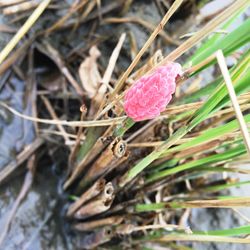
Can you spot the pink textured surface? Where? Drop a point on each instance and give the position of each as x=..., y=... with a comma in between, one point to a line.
x=148, y=97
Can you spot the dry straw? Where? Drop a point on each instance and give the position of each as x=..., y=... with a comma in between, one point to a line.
x=23, y=30
x=233, y=97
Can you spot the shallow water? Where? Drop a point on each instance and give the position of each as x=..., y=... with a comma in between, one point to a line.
x=37, y=207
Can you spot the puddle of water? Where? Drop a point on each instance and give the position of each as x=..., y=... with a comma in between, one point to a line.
x=15, y=132
x=38, y=223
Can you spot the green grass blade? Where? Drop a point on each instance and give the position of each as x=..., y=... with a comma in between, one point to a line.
x=239, y=77
x=221, y=187
x=227, y=44
x=210, y=134
x=214, y=38
x=220, y=202
x=227, y=232
x=228, y=155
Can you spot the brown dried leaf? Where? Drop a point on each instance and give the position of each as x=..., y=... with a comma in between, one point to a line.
x=89, y=73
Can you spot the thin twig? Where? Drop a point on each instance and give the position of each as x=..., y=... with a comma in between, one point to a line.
x=101, y=123
x=74, y=8
x=139, y=131
x=75, y=149
x=53, y=132
x=143, y=23
x=55, y=117
x=244, y=217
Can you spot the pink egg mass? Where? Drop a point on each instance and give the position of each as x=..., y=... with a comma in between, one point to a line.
x=150, y=94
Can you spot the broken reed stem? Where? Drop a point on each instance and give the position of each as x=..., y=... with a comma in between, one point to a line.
x=23, y=30
x=157, y=30
x=98, y=205
x=93, y=191
x=243, y=126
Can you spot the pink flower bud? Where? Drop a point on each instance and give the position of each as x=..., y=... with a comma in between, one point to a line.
x=148, y=97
